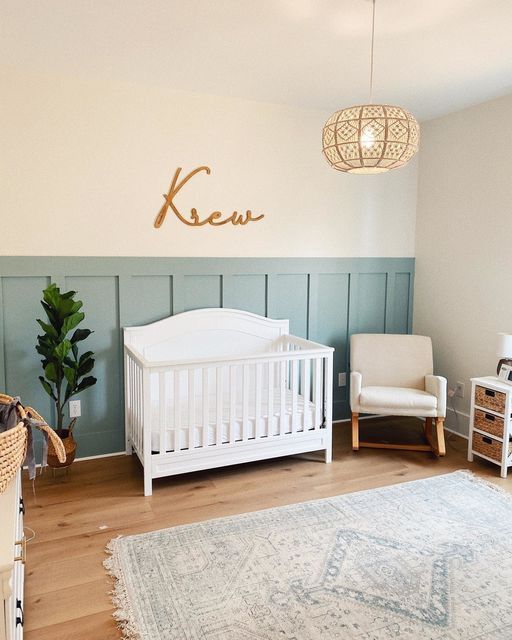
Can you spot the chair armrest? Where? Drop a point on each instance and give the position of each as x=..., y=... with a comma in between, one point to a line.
x=356, y=382
x=436, y=385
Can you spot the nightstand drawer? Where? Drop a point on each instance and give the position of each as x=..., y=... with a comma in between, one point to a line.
x=490, y=399
x=489, y=423
x=488, y=446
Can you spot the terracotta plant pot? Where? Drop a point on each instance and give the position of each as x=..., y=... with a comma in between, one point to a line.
x=69, y=446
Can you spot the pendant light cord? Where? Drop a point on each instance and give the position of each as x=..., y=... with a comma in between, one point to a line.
x=371, y=56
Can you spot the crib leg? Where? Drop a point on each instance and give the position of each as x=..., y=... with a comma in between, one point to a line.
x=328, y=455
x=128, y=446
x=148, y=482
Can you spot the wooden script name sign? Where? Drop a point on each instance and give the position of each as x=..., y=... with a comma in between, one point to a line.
x=215, y=218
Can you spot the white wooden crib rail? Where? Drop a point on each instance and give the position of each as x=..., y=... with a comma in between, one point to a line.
x=134, y=402
x=213, y=405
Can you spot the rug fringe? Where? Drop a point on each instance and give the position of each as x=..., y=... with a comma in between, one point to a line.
x=476, y=479
x=123, y=614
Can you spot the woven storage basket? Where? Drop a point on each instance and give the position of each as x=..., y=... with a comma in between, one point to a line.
x=69, y=445
x=13, y=448
x=489, y=423
x=490, y=399
x=489, y=447
x=13, y=442
x=55, y=444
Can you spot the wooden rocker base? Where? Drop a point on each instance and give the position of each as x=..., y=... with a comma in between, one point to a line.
x=436, y=446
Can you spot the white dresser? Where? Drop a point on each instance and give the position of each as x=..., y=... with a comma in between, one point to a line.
x=12, y=561
x=490, y=425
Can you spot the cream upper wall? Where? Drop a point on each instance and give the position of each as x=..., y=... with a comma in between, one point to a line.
x=85, y=163
x=464, y=235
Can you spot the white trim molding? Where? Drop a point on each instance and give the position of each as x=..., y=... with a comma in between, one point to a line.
x=457, y=422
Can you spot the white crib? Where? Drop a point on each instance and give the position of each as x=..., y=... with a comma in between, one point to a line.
x=215, y=387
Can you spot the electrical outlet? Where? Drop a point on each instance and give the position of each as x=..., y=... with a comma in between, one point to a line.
x=459, y=390
x=342, y=379
x=75, y=410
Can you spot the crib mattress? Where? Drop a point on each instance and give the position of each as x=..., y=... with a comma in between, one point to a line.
x=305, y=420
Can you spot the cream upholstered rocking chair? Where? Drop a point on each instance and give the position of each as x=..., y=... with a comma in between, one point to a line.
x=392, y=375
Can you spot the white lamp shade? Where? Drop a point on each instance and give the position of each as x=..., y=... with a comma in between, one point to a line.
x=504, y=345
x=370, y=138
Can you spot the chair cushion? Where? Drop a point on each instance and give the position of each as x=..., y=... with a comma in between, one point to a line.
x=396, y=399
x=391, y=360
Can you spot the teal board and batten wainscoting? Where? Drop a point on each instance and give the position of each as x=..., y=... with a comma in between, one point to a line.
x=326, y=300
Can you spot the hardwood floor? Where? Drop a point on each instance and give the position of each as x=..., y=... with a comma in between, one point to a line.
x=74, y=515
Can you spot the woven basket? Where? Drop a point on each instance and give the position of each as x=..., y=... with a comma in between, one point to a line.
x=13, y=442
x=489, y=446
x=13, y=448
x=489, y=399
x=69, y=445
x=55, y=444
x=489, y=423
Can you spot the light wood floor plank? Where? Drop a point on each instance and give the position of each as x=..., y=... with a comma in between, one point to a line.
x=97, y=626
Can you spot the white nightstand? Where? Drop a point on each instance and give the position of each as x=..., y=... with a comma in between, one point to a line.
x=490, y=425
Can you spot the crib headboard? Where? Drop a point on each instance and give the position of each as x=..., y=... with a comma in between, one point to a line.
x=205, y=333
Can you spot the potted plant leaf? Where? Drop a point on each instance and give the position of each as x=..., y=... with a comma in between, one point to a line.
x=65, y=369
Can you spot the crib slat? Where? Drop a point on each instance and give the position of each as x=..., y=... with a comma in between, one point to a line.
x=162, y=411
x=270, y=402
x=138, y=392
x=147, y=420
x=306, y=390
x=127, y=425
x=206, y=407
x=282, y=397
x=217, y=438
x=257, y=401
x=142, y=426
x=232, y=403
x=133, y=403
x=129, y=399
x=318, y=391
x=295, y=393
x=170, y=412
x=136, y=400
x=191, y=409
x=177, y=410
x=141, y=409
x=245, y=401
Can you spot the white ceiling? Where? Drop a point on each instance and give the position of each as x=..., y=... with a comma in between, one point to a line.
x=431, y=56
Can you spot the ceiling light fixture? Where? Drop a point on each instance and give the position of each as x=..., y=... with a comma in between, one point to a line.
x=370, y=138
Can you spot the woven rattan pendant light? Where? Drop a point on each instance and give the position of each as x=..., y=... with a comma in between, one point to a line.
x=370, y=138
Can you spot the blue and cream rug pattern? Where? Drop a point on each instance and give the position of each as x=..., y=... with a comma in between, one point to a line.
x=429, y=560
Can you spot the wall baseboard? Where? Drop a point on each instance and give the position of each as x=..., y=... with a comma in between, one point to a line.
x=102, y=455
x=458, y=422
x=456, y=433
x=360, y=418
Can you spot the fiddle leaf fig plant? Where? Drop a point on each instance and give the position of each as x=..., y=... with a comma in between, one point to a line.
x=65, y=369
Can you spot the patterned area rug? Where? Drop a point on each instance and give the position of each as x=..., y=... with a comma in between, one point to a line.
x=428, y=560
